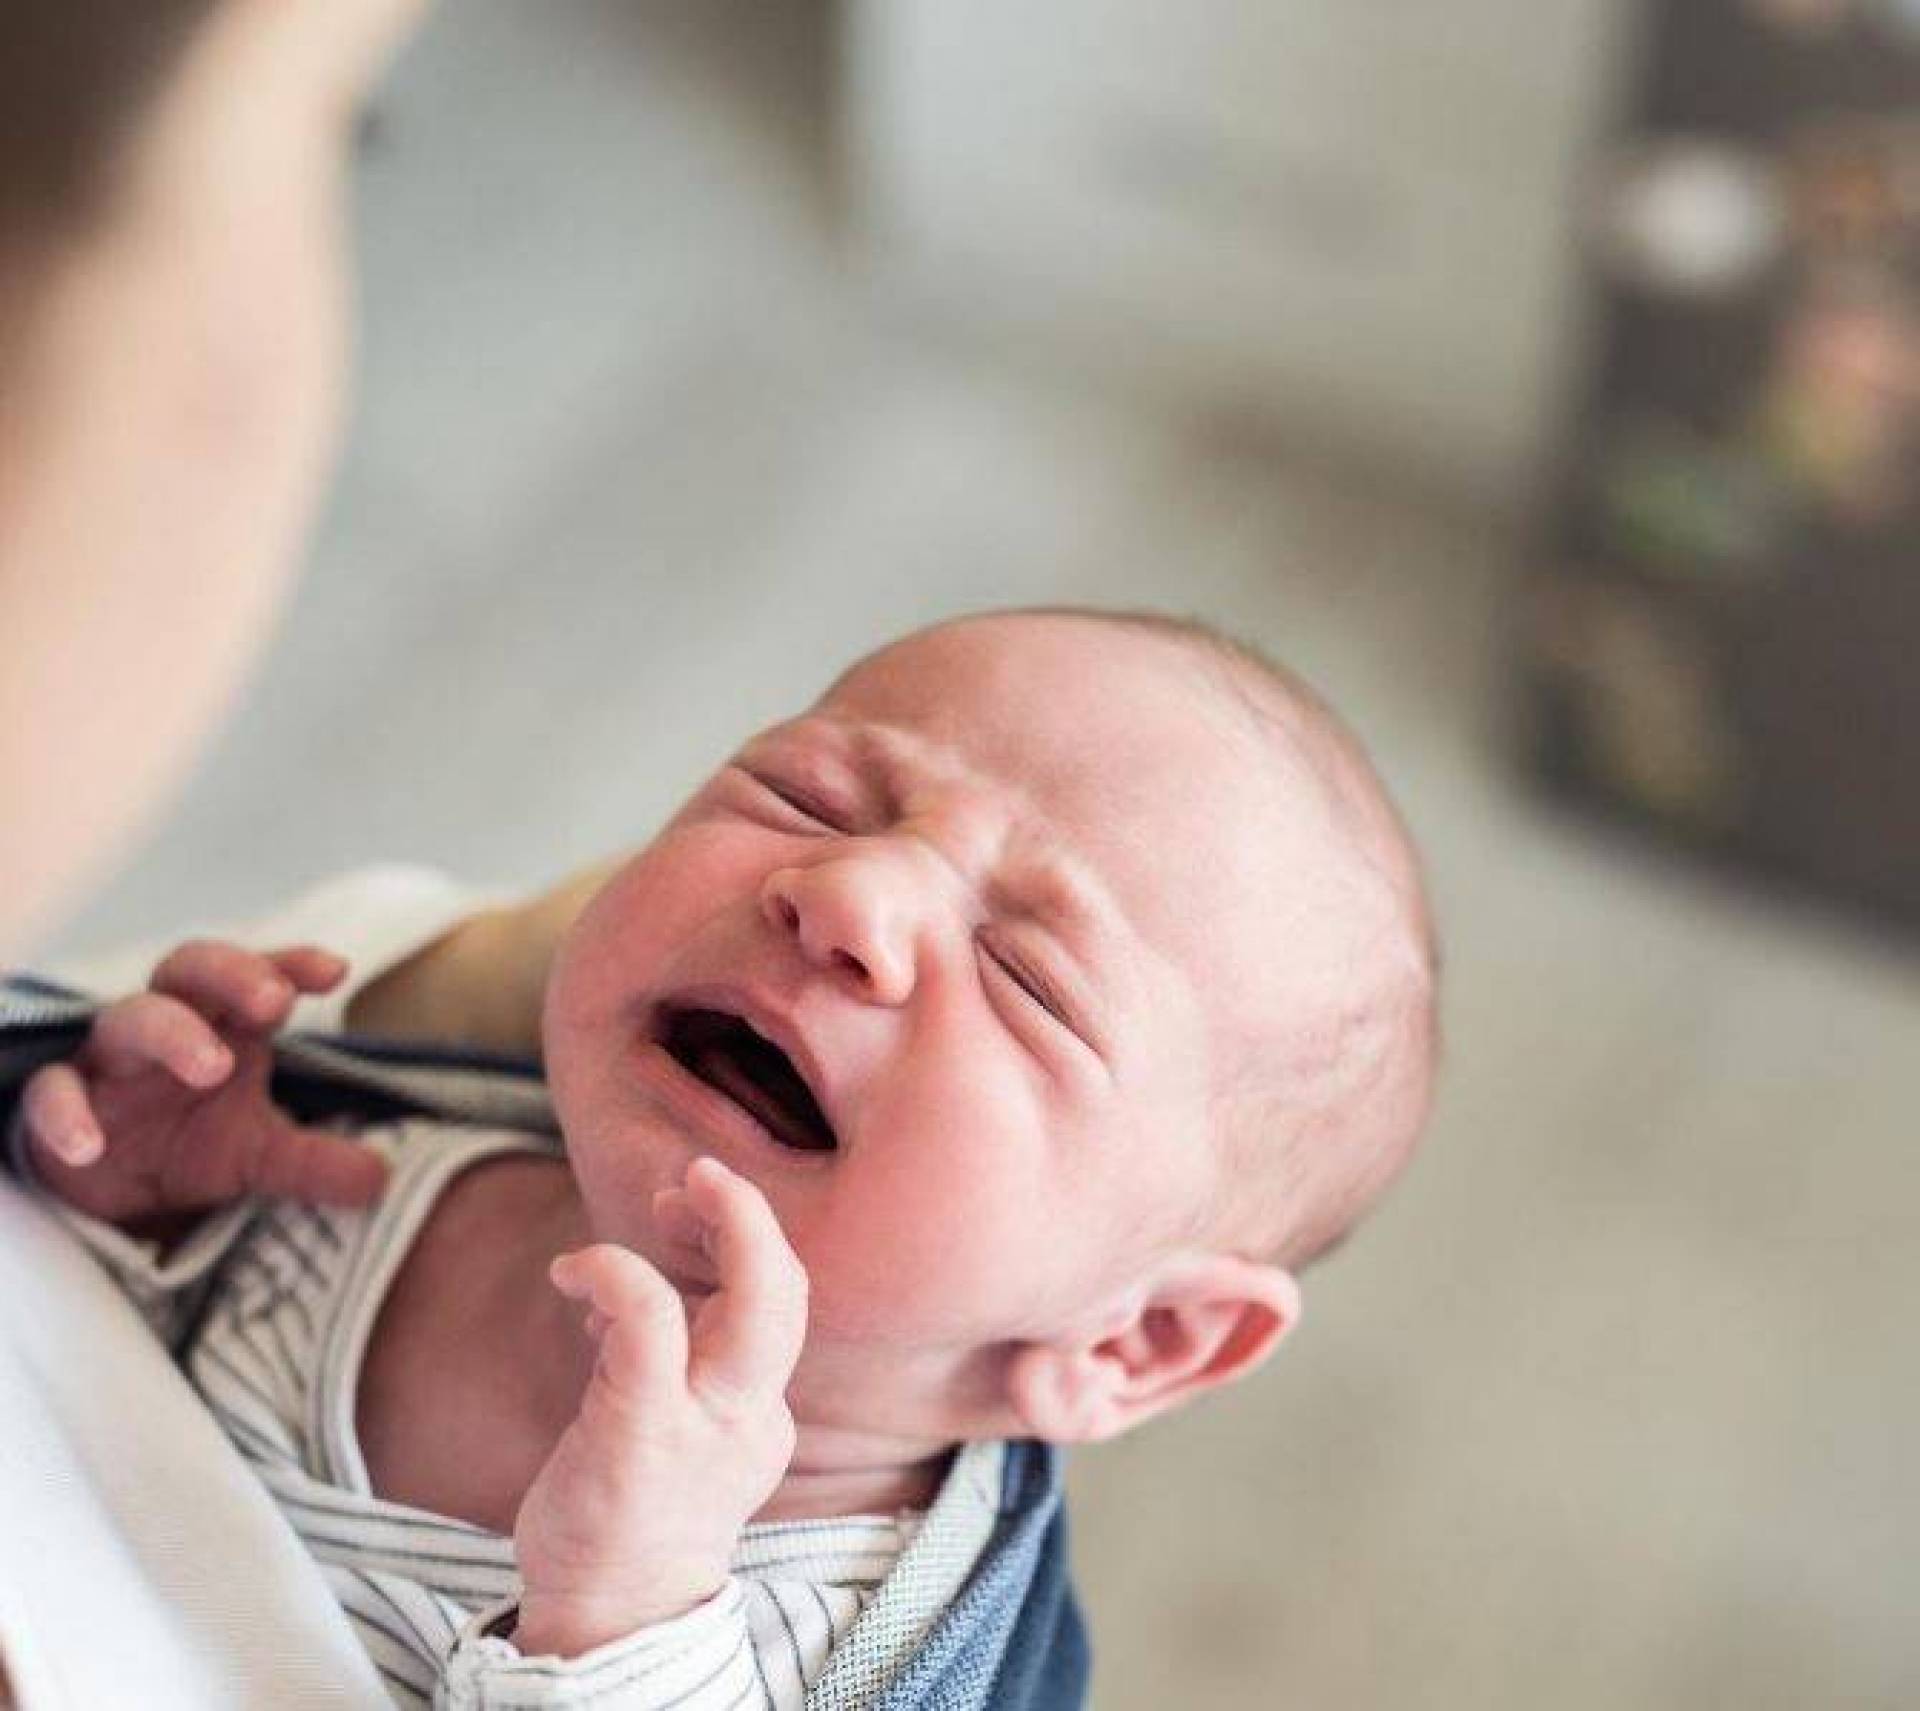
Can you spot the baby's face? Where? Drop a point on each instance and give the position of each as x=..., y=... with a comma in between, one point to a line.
x=950, y=967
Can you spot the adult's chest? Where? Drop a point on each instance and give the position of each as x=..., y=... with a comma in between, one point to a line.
x=446, y=1407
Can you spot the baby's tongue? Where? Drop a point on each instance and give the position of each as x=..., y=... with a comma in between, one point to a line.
x=720, y=1068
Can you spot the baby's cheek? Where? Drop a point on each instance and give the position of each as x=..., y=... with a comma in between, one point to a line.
x=917, y=1261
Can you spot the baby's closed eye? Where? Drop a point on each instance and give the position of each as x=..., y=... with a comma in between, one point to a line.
x=1024, y=974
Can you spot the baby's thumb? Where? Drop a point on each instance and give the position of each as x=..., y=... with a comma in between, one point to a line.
x=316, y=1166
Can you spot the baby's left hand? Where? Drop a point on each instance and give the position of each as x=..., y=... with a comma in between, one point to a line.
x=682, y=1434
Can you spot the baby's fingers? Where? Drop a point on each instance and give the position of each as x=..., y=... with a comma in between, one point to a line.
x=749, y=1333
x=59, y=1116
x=152, y=1031
x=317, y=1166
x=311, y=968
x=637, y=1316
x=254, y=989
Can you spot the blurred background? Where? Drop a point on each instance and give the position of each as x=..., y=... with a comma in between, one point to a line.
x=1539, y=377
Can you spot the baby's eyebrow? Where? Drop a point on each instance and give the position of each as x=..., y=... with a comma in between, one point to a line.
x=1052, y=889
x=1048, y=884
x=862, y=747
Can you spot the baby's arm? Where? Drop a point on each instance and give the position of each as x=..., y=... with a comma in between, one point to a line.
x=625, y=1537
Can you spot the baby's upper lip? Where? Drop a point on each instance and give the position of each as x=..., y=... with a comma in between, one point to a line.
x=770, y=1018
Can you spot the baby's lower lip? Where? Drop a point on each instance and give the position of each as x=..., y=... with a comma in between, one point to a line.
x=709, y=1120
x=725, y=1051
x=712, y=1115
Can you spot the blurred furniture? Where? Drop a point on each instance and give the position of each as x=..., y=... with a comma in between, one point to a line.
x=1352, y=220
x=1720, y=637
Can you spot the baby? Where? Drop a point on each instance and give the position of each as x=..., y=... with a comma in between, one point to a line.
x=969, y=1068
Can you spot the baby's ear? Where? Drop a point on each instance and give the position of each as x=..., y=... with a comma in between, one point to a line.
x=1209, y=1319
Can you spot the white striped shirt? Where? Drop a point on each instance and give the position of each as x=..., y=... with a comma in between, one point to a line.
x=270, y=1306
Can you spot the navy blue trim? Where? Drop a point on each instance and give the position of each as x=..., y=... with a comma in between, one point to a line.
x=38, y=986
x=408, y=1054
x=416, y=1054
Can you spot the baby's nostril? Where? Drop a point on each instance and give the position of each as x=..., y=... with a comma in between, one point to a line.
x=789, y=914
x=850, y=964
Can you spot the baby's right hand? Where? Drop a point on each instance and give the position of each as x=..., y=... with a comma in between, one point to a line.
x=166, y=1108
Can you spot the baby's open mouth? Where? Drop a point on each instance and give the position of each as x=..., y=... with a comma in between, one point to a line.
x=730, y=1057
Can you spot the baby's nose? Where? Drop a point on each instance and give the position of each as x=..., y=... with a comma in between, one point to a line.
x=848, y=918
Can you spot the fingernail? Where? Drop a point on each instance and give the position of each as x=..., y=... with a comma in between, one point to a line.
x=81, y=1146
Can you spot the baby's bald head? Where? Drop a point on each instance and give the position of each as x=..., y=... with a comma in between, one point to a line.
x=1320, y=1104
x=1322, y=1128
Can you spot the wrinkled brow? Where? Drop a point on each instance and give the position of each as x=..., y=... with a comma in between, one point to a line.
x=1039, y=879
x=1054, y=889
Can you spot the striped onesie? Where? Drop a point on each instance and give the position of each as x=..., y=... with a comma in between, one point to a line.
x=268, y=1306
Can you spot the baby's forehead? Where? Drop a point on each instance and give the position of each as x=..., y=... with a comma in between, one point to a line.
x=1059, y=701
x=1204, y=823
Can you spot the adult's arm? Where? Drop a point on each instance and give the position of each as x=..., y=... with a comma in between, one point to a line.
x=483, y=981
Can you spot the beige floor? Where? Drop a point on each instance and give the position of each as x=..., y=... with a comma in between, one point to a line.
x=1614, y=1407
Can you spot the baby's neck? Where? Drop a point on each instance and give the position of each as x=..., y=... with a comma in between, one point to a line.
x=830, y=1489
